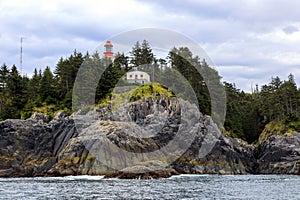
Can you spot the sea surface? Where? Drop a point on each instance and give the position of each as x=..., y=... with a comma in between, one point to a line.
x=176, y=187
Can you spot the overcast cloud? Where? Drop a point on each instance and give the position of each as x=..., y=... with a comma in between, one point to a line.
x=248, y=41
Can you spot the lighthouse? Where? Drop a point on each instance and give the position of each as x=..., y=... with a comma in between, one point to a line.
x=108, y=47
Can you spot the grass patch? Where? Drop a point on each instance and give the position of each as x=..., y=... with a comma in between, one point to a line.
x=294, y=125
x=150, y=90
x=279, y=128
x=144, y=91
x=120, y=98
x=48, y=110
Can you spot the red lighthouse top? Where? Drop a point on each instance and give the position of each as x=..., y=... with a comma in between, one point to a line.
x=108, y=43
x=108, y=49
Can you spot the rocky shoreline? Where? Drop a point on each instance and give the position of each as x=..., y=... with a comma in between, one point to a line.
x=37, y=147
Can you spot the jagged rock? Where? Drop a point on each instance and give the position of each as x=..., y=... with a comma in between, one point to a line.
x=59, y=115
x=6, y=172
x=279, y=155
x=135, y=134
x=148, y=170
x=228, y=156
x=40, y=117
x=28, y=146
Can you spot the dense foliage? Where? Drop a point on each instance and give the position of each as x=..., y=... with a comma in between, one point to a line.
x=247, y=114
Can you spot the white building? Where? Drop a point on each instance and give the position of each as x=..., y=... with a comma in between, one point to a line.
x=137, y=77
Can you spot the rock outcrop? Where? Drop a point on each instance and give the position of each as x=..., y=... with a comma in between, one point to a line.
x=30, y=147
x=147, y=170
x=151, y=138
x=279, y=155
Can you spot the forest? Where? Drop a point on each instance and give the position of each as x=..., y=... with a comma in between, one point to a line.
x=247, y=114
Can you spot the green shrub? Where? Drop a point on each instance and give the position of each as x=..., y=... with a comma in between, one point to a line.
x=294, y=125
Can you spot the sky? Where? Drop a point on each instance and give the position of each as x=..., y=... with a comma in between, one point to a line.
x=248, y=41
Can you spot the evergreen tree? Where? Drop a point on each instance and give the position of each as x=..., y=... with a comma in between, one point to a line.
x=16, y=93
x=66, y=71
x=4, y=72
x=143, y=58
x=34, y=85
x=4, y=95
x=188, y=66
x=47, y=87
x=290, y=97
x=243, y=119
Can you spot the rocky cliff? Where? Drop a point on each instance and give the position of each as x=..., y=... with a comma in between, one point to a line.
x=279, y=155
x=31, y=147
x=149, y=138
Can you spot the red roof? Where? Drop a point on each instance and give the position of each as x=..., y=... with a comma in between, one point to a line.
x=108, y=43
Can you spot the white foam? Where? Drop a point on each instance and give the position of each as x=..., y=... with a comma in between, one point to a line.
x=189, y=175
x=84, y=177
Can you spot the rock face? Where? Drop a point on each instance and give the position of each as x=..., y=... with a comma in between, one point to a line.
x=147, y=139
x=279, y=155
x=30, y=147
x=147, y=170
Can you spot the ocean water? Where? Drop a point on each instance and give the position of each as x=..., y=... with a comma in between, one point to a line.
x=176, y=187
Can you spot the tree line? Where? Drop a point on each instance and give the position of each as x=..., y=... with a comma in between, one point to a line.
x=49, y=91
x=247, y=114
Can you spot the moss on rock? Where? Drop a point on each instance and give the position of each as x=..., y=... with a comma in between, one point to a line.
x=150, y=90
x=278, y=128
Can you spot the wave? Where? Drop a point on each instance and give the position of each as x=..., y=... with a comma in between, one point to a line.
x=189, y=175
x=84, y=177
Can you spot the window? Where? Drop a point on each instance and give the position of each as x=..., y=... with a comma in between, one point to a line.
x=130, y=76
x=136, y=76
x=108, y=49
x=141, y=75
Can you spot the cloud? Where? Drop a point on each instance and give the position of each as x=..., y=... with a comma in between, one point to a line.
x=290, y=29
x=249, y=40
x=58, y=27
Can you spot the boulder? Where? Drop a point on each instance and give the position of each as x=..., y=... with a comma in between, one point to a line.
x=40, y=117
x=59, y=115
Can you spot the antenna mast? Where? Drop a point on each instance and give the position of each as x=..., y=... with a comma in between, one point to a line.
x=21, y=54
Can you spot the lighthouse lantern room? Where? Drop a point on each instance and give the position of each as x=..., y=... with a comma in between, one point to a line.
x=108, y=49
